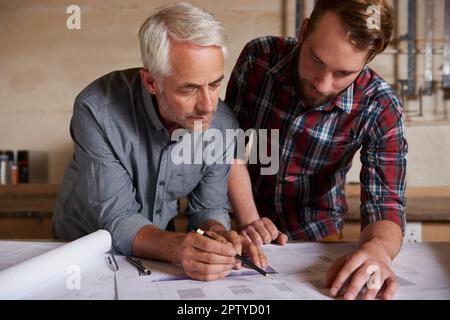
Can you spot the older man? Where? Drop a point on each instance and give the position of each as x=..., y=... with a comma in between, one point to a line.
x=123, y=177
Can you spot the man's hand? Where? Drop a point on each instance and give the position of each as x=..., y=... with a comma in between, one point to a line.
x=206, y=259
x=263, y=231
x=245, y=248
x=369, y=265
x=255, y=229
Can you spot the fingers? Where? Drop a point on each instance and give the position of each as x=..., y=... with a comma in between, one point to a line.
x=271, y=229
x=236, y=241
x=206, y=268
x=377, y=281
x=264, y=231
x=359, y=279
x=331, y=274
x=217, y=237
x=207, y=259
x=206, y=277
x=254, y=236
x=391, y=287
x=217, y=246
x=351, y=263
x=262, y=257
x=374, y=282
x=282, y=238
x=256, y=254
x=245, y=235
x=363, y=276
x=212, y=258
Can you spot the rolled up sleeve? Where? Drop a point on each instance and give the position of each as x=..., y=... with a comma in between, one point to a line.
x=383, y=173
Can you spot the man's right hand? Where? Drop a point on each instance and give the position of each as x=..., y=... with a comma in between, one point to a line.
x=204, y=259
x=264, y=231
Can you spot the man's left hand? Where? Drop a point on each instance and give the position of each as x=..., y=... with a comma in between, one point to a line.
x=263, y=231
x=367, y=265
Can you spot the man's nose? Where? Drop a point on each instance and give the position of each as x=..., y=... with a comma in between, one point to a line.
x=324, y=83
x=205, y=103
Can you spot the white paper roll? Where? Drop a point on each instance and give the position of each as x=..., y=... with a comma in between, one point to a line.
x=17, y=281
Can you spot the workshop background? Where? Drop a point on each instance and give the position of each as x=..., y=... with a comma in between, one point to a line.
x=44, y=65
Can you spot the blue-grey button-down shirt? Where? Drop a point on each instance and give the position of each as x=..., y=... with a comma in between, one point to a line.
x=122, y=176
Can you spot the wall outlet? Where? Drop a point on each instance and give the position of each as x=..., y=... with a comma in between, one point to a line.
x=413, y=232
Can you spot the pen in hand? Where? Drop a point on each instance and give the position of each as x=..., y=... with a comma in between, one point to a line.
x=242, y=259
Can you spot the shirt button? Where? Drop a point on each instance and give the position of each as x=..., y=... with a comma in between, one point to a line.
x=162, y=182
x=158, y=212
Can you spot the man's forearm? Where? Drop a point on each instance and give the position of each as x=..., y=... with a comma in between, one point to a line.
x=241, y=196
x=153, y=243
x=382, y=235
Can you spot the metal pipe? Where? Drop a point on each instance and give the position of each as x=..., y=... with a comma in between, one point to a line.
x=408, y=85
x=411, y=46
x=415, y=51
x=446, y=55
x=428, y=75
x=298, y=16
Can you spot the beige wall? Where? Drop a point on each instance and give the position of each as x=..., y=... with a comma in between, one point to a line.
x=43, y=66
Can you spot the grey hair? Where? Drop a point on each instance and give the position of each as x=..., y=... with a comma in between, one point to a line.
x=180, y=22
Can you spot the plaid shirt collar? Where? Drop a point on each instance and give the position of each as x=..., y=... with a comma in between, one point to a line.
x=285, y=71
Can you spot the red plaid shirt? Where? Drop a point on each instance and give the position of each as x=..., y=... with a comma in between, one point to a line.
x=306, y=197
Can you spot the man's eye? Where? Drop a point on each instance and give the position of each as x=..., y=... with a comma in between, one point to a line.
x=188, y=90
x=316, y=60
x=344, y=74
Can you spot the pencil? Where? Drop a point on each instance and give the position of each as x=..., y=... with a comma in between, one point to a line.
x=241, y=258
x=139, y=266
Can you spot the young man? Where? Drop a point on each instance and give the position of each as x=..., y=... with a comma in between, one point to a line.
x=124, y=177
x=326, y=102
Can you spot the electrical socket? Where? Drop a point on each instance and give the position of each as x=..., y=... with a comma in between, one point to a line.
x=413, y=232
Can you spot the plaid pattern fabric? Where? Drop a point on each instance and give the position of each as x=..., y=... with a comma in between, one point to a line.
x=306, y=198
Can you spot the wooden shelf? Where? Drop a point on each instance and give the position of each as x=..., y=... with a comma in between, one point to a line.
x=28, y=197
x=422, y=203
x=26, y=209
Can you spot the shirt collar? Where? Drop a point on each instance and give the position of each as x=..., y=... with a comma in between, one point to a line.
x=286, y=72
x=344, y=100
x=150, y=108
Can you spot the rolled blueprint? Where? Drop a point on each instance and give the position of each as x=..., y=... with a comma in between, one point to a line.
x=17, y=281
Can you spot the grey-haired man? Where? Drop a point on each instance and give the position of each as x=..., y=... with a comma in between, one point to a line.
x=123, y=177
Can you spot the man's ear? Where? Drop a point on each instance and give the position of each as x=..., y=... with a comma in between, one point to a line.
x=149, y=81
x=302, y=33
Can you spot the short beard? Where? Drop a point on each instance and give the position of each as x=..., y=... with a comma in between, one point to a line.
x=314, y=102
x=183, y=121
